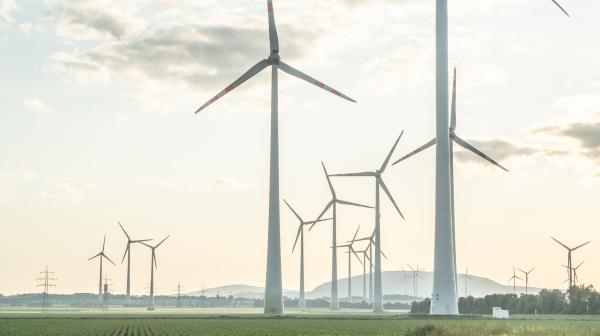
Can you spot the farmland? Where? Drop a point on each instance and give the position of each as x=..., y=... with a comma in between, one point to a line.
x=158, y=324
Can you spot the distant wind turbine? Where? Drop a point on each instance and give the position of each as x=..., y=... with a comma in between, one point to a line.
x=569, y=260
x=379, y=184
x=128, y=254
x=371, y=240
x=351, y=251
x=527, y=279
x=575, y=277
x=300, y=234
x=102, y=256
x=153, y=265
x=466, y=277
x=514, y=279
x=273, y=287
x=335, y=304
x=416, y=276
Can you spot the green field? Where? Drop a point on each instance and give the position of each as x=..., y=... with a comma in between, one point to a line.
x=68, y=324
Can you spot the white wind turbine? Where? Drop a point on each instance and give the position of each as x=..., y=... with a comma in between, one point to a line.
x=335, y=304
x=444, y=300
x=445, y=265
x=128, y=254
x=153, y=265
x=101, y=255
x=377, y=285
x=300, y=234
x=371, y=240
x=350, y=252
x=273, y=289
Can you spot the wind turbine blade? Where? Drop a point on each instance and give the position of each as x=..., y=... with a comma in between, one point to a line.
x=561, y=8
x=362, y=239
x=582, y=245
x=531, y=270
x=297, y=236
x=563, y=245
x=387, y=159
x=154, y=258
x=355, y=174
x=328, y=180
x=356, y=255
x=383, y=254
x=354, y=204
x=410, y=267
x=470, y=147
x=296, y=73
x=273, y=38
x=96, y=256
x=295, y=213
x=125, y=232
x=453, y=110
x=389, y=195
x=103, y=243
x=581, y=263
x=249, y=74
x=124, y=254
x=141, y=240
x=322, y=213
x=321, y=220
x=416, y=151
x=162, y=241
x=355, y=234
x=107, y=258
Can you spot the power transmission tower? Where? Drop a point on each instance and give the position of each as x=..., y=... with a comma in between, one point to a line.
x=106, y=292
x=46, y=281
x=178, y=290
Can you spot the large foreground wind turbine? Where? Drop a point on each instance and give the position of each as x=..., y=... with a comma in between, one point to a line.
x=335, y=304
x=153, y=265
x=101, y=255
x=444, y=299
x=300, y=234
x=377, y=285
x=444, y=272
x=273, y=289
x=569, y=260
x=128, y=254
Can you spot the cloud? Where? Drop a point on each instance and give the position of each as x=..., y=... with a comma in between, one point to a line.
x=18, y=175
x=6, y=9
x=96, y=20
x=36, y=105
x=498, y=149
x=585, y=133
x=193, y=55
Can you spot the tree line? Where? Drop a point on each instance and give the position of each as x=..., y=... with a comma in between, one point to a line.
x=579, y=300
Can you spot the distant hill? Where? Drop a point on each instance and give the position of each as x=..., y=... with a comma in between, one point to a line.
x=394, y=283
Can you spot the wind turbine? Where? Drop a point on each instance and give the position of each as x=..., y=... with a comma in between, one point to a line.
x=575, y=277
x=569, y=262
x=101, y=255
x=467, y=277
x=300, y=234
x=526, y=279
x=128, y=254
x=350, y=252
x=416, y=276
x=378, y=299
x=514, y=280
x=273, y=288
x=444, y=299
x=153, y=265
x=561, y=7
x=335, y=304
x=371, y=240
x=444, y=273
x=364, y=264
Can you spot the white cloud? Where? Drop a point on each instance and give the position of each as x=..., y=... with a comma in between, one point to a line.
x=6, y=9
x=36, y=105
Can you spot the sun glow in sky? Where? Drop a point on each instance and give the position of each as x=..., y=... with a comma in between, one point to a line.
x=97, y=125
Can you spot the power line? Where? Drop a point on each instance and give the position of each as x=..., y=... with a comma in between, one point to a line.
x=46, y=281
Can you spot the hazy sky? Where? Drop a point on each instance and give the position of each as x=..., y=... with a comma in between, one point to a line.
x=97, y=125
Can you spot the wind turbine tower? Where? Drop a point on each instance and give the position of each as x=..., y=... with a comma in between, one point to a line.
x=416, y=276
x=300, y=234
x=101, y=256
x=335, y=303
x=351, y=251
x=153, y=265
x=514, y=279
x=379, y=184
x=273, y=287
x=467, y=278
x=128, y=254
